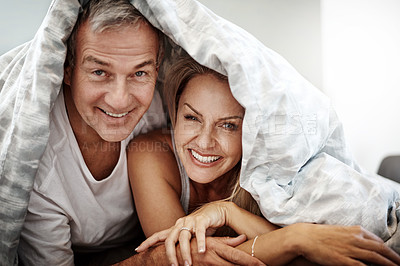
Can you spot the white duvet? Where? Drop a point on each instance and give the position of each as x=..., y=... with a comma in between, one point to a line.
x=295, y=161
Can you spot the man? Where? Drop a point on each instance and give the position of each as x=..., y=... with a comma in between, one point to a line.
x=81, y=200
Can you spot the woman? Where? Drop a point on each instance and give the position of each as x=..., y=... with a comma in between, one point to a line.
x=199, y=161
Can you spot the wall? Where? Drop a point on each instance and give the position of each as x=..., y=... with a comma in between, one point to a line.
x=290, y=27
x=19, y=20
x=361, y=56
x=278, y=24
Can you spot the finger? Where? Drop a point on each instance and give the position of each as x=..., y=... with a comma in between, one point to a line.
x=384, y=254
x=234, y=241
x=369, y=235
x=153, y=239
x=184, y=243
x=349, y=261
x=237, y=256
x=170, y=245
x=172, y=239
x=373, y=243
x=200, y=231
x=374, y=251
x=373, y=257
x=392, y=255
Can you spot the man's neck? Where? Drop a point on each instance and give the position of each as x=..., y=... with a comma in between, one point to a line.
x=100, y=156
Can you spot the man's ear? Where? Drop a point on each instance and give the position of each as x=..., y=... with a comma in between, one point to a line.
x=67, y=75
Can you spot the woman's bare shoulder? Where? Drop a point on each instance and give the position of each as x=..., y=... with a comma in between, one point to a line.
x=151, y=157
x=154, y=141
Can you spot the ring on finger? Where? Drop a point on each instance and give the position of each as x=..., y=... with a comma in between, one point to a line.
x=187, y=228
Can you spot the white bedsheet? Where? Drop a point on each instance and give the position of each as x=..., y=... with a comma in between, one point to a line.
x=295, y=161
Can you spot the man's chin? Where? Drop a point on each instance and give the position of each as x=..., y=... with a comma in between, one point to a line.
x=114, y=136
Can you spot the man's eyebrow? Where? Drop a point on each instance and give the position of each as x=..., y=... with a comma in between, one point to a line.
x=145, y=63
x=95, y=60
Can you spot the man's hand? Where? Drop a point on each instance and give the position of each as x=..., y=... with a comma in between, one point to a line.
x=221, y=251
x=153, y=256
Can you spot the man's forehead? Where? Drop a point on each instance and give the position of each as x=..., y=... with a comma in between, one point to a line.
x=90, y=58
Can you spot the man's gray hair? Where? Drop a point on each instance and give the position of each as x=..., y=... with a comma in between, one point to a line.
x=104, y=15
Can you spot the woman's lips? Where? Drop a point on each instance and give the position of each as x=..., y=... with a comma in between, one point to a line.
x=204, y=159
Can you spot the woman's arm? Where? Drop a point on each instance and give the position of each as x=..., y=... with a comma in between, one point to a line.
x=276, y=246
x=244, y=222
x=207, y=218
x=155, y=181
x=322, y=244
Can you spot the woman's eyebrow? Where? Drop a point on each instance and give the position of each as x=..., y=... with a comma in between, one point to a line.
x=220, y=119
x=194, y=110
x=231, y=117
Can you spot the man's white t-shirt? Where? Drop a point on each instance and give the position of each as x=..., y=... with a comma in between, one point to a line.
x=69, y=207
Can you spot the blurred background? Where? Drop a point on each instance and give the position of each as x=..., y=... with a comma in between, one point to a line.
x=349, y=49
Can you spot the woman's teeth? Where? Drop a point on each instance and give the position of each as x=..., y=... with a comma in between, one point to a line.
x=204, y=159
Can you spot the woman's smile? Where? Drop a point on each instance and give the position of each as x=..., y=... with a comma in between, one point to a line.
x=204, y=159
x=208, y=129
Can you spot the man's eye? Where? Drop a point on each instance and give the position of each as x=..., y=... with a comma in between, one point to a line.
x=99, y=73
x=140, y=74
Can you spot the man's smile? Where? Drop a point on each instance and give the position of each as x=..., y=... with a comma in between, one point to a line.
x=114, y=115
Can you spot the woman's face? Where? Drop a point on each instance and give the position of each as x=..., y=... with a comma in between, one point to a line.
x=208, y=129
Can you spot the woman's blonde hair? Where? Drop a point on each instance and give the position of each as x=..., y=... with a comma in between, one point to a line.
x=177, y=77
x=240, y=196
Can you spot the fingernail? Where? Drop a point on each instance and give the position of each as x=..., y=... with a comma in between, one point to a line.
x=202, y=250
x=187, y=263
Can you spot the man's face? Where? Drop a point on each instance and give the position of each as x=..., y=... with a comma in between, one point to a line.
x=113, y=81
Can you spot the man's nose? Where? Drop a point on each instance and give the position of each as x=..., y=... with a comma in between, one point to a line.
x=118, y=96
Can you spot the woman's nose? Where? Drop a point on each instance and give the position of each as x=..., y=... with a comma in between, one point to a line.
x=205, y=138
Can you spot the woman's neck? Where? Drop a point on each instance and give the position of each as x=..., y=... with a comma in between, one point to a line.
x=219, y=189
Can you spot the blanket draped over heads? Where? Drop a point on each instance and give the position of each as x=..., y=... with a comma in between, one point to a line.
x=295, y=160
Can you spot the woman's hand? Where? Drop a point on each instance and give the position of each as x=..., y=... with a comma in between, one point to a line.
x=201, y=223
x=341, y=245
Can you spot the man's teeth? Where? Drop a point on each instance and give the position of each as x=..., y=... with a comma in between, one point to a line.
x=116, y=115
x=204, y=159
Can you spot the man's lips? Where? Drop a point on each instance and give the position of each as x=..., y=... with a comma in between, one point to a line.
x=114, y=115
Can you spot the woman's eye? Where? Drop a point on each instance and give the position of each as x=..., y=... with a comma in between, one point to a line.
x=229, y=126
x=190, y=118
x=99, y=73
